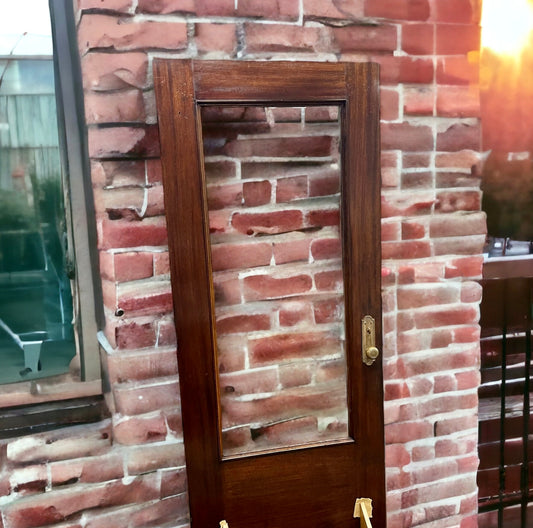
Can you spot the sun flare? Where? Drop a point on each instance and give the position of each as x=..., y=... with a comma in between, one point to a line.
x=506, y=25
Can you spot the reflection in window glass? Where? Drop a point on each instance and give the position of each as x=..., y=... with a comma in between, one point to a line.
x=36, y=308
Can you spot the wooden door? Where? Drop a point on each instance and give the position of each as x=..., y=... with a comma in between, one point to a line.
x=293, y=481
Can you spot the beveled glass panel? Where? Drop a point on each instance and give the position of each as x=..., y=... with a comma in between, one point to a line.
x=273, y=192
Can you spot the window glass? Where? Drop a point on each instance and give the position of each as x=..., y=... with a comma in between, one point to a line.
x=36, y=308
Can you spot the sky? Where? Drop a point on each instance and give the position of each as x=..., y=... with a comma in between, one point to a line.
x=20, y=16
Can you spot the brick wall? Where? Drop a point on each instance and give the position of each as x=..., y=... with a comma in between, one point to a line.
x=130, y=470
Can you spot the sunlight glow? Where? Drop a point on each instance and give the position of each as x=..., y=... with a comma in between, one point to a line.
x=506, y=25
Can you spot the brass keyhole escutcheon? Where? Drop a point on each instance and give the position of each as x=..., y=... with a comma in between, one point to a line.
x=370, y=351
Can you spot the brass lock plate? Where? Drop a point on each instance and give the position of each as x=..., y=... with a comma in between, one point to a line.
x=368, y=339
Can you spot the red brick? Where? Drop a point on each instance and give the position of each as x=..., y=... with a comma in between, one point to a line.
x=415, y=161
x=406, y=249
x=364, y=38
x=257, y=193
x=133, y=266
x=465, y=245
x=269, y=9
x=144, y=459
x=123, y=142
x=267, y=223
x=212, y=37
x=321, y=114
x=418, y=100
x=323, y=217
x=396, y=70
x=451, y=201
x=227, y=291
x=413, y=230
x=119, y=6
x=345, y=9
x=174, y=482
x=458, y=224
x=329, y=280
x=328, y=311
x=312, y=146
x=456, y=39
x=105, y=71
x=166, y=333
x=290, y=346
x=294, y=188
x=293, y=313
x=390, y=230
x=326, y=248
x=140, y=430
x=56, y=506
x=231, y=351
x=125, y=106
x=416, y=297
x=147, y=365
x=291, y=251
x=273, y=38
x=401, y=9
x=401, y=433
x=289, y=432
x=468, y=380
x=295, y=375
x=457, y=70
x=161, y=263
x=417, y=180
x=433, y=318
x=240, y=256
x=452, y=425
x=458, y=101
x=459, y=137
x=122, y=34
x=465, y=267
x=134, y=399
x=130, y=335
x=220, y=196
x=248, y=382
x=236, y=324
x=215, y=170
x=390, y=104
x=219, y=221
x=93, y=469
x=167, y=6
x=266, y=287
x=417, y=39
x=396, y=390
x=404, y=136
x=150, y=299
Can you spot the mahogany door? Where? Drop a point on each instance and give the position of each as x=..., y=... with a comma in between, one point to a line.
x=271, y=177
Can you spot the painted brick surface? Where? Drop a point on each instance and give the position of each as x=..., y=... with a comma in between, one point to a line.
x=130, y=471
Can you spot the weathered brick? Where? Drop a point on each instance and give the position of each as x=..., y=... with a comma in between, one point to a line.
x=457, y=70
x=249, y=382
x=329, y=280
x=404, y=136
x=418, y=39
x=119, y=6
x=402, y=9
x=313, y=146
x=465, y=267
x=417, y=180
x=293, y=313
x=213, y=37
x=413, y=230
x=456, y=39
x=401, y=433
x=244, y=323
x=268, y=223
x=458, y=101
x=123, y=142
x=292, y=251
x=257, y=193
x=141, y=365
x=294, y=188
x=108, y=71
x=123, y=106
x=390, y=104
x=458, y=224
x=132, y=266
x=140, y=429
x=418, y=100
x=269, y=9
x=291, y=375
x=405, y=69
x=220, y=196
x=150, y=298
x=123, y=34
x=266, y=287
x=365, y=38
x=144, y=459
x=271, y=38
x=126, y=234
x=326, y=248
x=133, y=399
x=323, y=217
x=135, y=334
x=328, y=311
x=406, y=249
x=174, y=482
x=240, y=256
x=227, y=291
x=293, y=345
x=418, y=297
x=346, y=9
x=459, y=137
x=452, y=201
x=90, y=469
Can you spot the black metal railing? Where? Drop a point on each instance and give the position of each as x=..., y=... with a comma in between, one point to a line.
x=505, y=476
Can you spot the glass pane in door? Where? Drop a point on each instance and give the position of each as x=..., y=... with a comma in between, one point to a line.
x=273, y=192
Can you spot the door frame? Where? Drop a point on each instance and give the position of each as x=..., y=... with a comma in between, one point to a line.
x=181, y=87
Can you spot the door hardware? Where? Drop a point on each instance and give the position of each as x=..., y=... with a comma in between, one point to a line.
x=370, y=351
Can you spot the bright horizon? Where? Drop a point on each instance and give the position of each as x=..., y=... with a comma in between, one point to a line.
x=25, y=16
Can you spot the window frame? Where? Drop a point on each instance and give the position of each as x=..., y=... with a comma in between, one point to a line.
x=27, y=396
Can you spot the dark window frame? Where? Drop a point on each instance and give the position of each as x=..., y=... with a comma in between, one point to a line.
x=47, y=406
